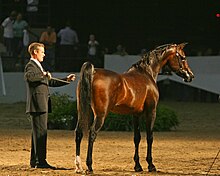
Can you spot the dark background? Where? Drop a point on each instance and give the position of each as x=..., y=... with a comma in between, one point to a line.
x=135, y=24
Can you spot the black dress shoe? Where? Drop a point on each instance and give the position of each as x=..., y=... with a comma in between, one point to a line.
x=33, y=165
x=45, y=165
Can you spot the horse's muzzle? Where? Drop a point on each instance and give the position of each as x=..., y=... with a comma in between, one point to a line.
x=189, y=77
x=186, y=75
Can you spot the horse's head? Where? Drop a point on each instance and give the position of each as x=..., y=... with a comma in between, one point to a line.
x=177, y=61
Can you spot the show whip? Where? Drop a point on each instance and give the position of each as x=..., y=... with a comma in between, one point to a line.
x=60, y=80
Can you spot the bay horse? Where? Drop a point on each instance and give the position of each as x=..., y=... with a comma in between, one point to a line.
x=100, y=91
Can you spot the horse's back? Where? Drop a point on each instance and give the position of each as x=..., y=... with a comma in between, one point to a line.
x=105, y=79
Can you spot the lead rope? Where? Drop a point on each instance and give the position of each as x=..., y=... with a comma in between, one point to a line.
x=213, y=162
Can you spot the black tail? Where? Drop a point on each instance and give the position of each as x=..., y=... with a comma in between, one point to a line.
x=84, y=96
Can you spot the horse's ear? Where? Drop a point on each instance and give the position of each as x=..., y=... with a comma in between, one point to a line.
x=182, y=45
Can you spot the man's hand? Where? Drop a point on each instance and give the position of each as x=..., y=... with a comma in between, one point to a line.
x=48, y=75
x=71, y=77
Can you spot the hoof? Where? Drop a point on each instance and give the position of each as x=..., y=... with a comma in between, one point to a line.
x=89, y=172
x=138, y=168
x=79, y=171
x=152, y=168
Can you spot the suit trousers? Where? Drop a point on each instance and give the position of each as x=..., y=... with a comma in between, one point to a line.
x=39, y=138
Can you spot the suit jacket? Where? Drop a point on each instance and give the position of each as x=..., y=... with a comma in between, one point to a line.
x=37, y=88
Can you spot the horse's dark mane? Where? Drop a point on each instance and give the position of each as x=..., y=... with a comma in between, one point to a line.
x=142, y=62
x=145, y=59
x=162, y=47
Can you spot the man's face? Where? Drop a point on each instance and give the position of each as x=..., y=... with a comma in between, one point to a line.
x=39, y=53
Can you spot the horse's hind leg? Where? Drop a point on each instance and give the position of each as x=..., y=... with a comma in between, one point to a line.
x=78, y=140
x=137, y=139
x=97, y=125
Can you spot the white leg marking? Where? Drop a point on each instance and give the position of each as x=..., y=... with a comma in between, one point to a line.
x=78, y=164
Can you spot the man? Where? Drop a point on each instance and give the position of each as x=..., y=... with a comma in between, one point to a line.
x=68, y=46
x=49, y=39
x=7, y=25
x=37, y=82
x=93, y=49
x=68, y=36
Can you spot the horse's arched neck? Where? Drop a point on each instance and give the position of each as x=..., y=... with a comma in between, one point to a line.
x=170, y=52
x=159, y=61
x=155, y=65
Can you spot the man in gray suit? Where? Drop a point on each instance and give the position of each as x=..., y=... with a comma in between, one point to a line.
x=37, y=83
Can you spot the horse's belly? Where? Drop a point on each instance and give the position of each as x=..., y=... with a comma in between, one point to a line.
x=123, y=109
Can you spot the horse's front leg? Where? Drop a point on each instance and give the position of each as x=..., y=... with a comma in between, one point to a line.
x=151, y=166
x=78, y=163
x=150, y=123
x=137, y=139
